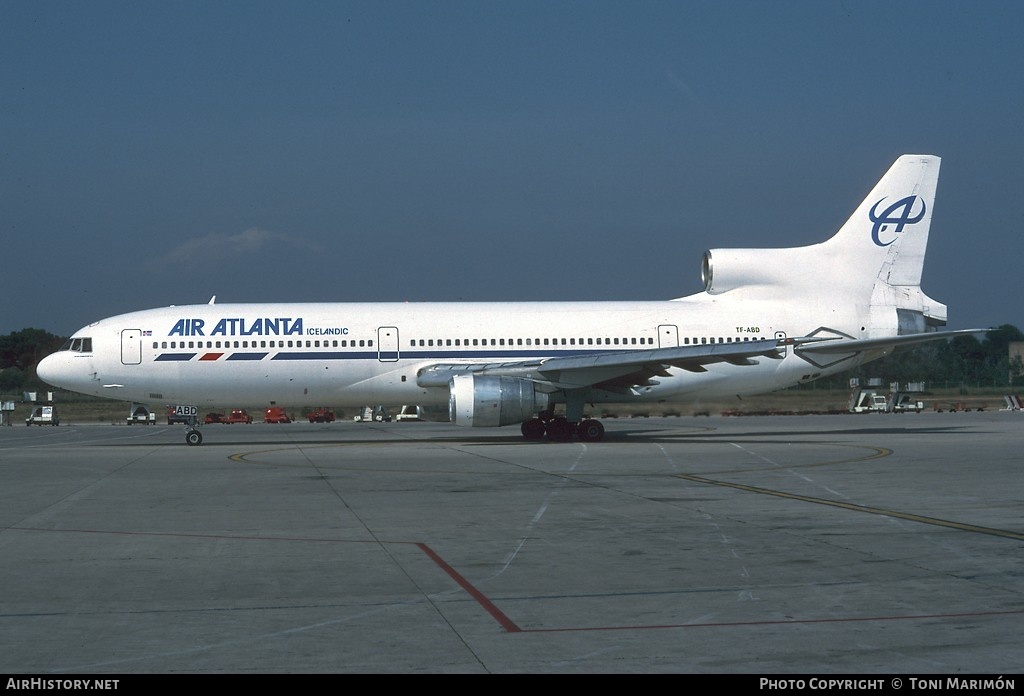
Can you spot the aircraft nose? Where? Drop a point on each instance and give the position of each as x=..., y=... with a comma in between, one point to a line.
x=49, y=370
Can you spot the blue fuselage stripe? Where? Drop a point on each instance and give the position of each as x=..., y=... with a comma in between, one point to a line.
x=404, y=355
x=247, y=356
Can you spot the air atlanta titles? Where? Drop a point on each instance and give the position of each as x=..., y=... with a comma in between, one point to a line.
x=261, y=326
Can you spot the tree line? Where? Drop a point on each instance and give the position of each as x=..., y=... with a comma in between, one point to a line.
x=20, y=352
x=964, y=361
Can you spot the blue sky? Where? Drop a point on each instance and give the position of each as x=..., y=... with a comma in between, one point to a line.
x=159, y=153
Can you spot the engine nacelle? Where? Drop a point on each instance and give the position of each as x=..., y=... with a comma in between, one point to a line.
x=487, y=402
x=723, y=270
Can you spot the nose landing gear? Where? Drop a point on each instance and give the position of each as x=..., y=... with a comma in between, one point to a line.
x=193, y=437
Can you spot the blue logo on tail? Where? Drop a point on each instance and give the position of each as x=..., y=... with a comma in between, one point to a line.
x=887, y=218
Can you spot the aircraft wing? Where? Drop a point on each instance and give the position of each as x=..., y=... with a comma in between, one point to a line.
x=612, y=371
x=623, y=370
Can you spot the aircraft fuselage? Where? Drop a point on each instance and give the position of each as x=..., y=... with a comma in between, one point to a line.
x=350, y=354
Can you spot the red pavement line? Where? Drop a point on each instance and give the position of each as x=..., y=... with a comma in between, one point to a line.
x=476, y=594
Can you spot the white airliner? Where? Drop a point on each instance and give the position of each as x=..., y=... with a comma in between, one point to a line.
x=767, y=319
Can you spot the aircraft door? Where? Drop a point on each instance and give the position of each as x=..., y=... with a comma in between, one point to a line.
x=131, y=347
x=387, y=344
x=781, y=336
x=668, y=336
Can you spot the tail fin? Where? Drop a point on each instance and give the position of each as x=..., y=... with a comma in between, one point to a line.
x=889, y=229
x=883, y=244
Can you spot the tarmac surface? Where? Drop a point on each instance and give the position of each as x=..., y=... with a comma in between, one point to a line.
x=841, y=544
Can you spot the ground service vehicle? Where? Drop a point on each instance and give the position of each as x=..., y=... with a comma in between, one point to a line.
x=141, y=414
x=238, y=415
x=869, y=402
x=321, y=415
x=275, y=414
x=903, y=403
x=43, y=415
x=410, y=413
x=213, y=417
x=377, y=414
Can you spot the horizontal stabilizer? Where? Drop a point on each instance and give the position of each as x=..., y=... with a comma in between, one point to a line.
x=832, y=345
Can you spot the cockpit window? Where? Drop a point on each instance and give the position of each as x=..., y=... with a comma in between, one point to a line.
x=78, y=345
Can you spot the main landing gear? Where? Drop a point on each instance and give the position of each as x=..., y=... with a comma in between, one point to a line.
x=564, y=428
x=561, y=429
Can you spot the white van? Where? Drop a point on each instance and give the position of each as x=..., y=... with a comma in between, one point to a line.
x=43, y=415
